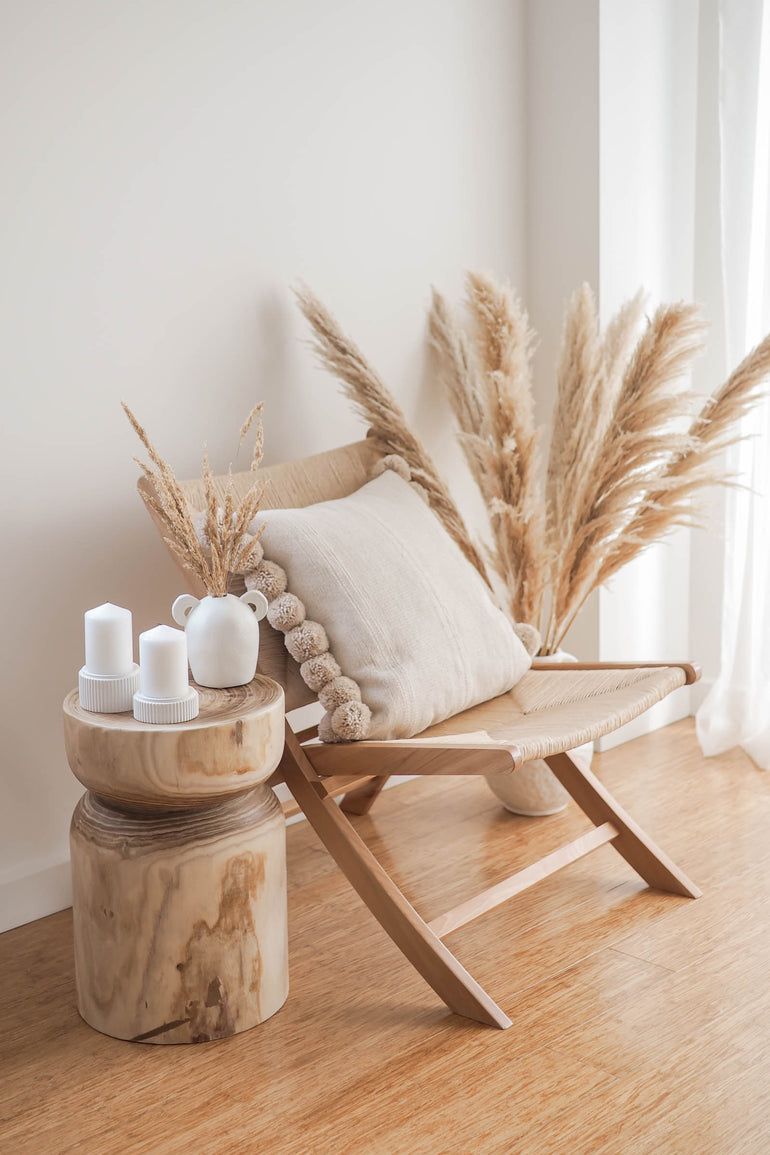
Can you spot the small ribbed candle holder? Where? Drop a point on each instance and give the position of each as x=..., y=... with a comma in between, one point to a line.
x=166, y=711
x=108, y=693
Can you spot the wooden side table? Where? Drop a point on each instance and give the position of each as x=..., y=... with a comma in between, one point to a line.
x=179, y=868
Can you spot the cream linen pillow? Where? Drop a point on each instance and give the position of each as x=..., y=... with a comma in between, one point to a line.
x=405, y=615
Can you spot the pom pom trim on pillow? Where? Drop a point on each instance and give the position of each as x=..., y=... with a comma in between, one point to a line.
x=347, y=717
x=308, y=644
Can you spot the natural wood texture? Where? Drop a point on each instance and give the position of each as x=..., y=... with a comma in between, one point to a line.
x=692, y=670
x=180, y=918
x=419, y=940
x=488, y=899
x=421, y=946
x=307, y=734
x=637, y=848
x=464, y=753
x=641, y=1019
x=235, y=743
x=361, y=799
x=333, y=786
x=179, y=868
x=290, y=485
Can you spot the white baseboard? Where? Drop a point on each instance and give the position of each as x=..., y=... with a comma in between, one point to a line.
x=35, y=895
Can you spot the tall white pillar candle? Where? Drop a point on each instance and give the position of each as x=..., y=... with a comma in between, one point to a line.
x=163, y=663
x=109, y=641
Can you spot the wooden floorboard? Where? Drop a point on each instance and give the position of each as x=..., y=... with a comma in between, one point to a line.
x=640, y=1019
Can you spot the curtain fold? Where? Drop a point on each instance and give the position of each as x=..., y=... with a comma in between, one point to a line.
x=737, y=709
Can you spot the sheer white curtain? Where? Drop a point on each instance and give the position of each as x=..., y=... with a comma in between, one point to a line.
x=737, y=710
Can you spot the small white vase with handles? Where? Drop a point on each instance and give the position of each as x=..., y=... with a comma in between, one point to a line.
x=534, y=790
x=222, y=636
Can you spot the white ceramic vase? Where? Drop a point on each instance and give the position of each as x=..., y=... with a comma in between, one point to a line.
x=534, y=790
x=222, y=636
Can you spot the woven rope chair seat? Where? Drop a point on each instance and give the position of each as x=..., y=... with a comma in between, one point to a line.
x=549, y=711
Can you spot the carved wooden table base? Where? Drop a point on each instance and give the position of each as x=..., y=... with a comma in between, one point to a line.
x=179, y=869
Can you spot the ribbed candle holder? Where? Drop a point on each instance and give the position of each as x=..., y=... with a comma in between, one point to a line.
x=106, y=693
x=166, y=711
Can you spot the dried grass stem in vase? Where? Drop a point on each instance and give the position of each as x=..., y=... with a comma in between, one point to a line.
x=220, y=541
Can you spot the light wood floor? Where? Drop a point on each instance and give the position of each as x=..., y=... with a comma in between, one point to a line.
x=641, y=1020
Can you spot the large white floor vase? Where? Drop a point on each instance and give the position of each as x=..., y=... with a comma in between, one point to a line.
x=533, y=790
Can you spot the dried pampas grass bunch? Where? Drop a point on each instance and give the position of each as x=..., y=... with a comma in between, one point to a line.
x=488, y=379
x=388, y=427
x=626, y=455
x=623, y=463
x=220, y=541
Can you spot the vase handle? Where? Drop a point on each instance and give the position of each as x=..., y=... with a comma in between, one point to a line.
x=182, y=608
x=256, y=599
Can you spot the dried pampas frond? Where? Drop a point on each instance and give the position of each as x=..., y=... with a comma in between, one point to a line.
x=580, y=398
x=607, y=478
x=618, y=344
x=697, y=465
x=259, y=439
x=715, y=427
x=389, y=429
x=489, y=388
x=505, y=345
x=230, y=546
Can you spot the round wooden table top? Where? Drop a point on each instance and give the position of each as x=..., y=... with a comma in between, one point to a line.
x=235, y=743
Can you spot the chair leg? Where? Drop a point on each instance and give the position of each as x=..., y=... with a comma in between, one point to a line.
x=639, y=851
x=360, y=801
x=411, y=934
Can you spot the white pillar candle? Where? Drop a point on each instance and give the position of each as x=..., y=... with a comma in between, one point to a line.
x=163, y=663
x=109, y=641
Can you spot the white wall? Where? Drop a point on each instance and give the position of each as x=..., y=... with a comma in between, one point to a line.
x=563, y=217
x=167, y=171
x=659, y=157
x=648, y=118
x=611, y=171
x=706, y=549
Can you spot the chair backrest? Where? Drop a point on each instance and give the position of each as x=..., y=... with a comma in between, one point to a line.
x=293, y=485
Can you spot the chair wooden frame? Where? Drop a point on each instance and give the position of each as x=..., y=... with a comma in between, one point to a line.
x=316, y=774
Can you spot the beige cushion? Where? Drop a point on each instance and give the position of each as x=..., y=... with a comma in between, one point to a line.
x=407, y=616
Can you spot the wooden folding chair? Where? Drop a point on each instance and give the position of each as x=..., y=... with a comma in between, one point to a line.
x=552, y=710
